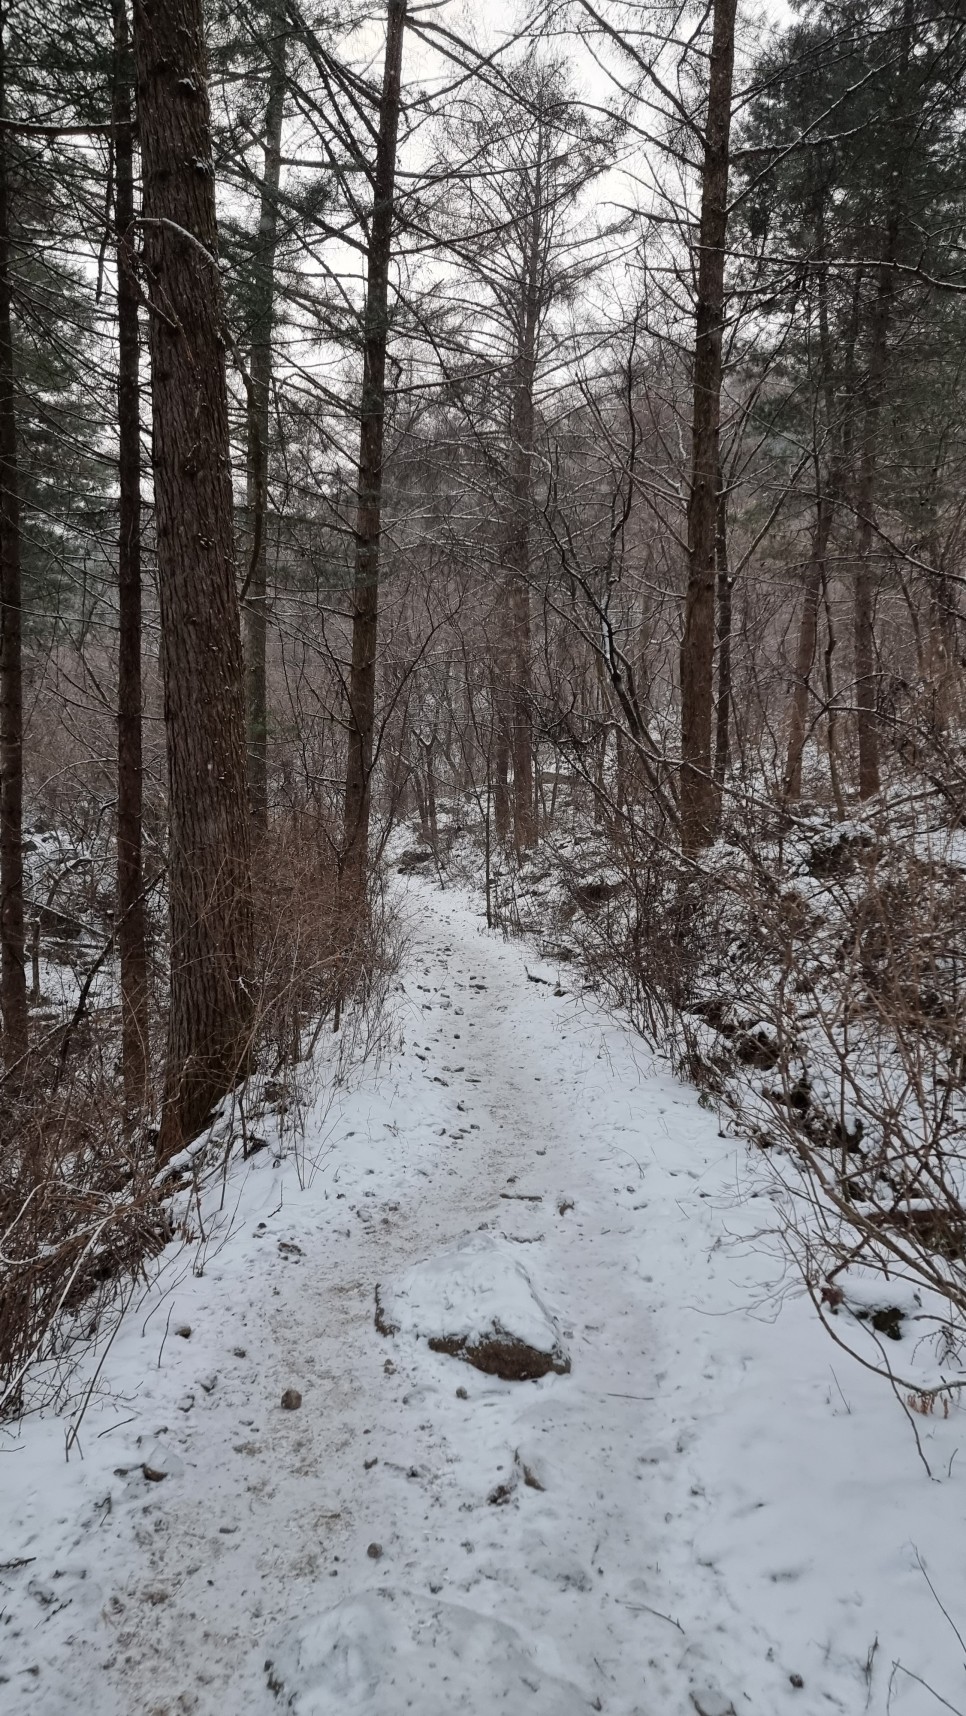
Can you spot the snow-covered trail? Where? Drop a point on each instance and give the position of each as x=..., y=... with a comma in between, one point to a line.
x=722, y=1525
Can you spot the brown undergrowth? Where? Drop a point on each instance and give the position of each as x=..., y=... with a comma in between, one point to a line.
x=83, y=1210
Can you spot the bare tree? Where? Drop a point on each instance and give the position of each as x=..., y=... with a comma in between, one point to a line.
x=365, y=599
x=260, y=380
x=698, y=798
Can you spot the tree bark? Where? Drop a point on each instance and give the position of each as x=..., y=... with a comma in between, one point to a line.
x=722, y=740
x=501, y=780
x=805, y=653
x=521, y=489
x=256, y=603
x=863, y=635
x=698, y=796
x=942, y=652
x=365, y=599
x=13, y=982
x=131, y=917
x=210, y=1011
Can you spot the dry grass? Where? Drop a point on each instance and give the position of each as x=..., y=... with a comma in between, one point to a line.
x=81, y=1210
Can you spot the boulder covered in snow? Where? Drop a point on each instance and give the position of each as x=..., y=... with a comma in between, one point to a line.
x=389, y=1653
x=477, y=1302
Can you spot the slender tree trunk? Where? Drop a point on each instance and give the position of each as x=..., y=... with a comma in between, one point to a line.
x=501, y=781
x=863, y=636
x=13, y=982
x=365, y=602
x=826, y=492
x=521, y=485
x=131, y=917
x=805, y=653
x=256, y=604
x=698, y=796
x=428, y=748
x=835, y=773
x=210, y=1011
x=941, y=659
x=722, y=742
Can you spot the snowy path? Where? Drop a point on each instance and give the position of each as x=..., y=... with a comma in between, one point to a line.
x=722, y=1526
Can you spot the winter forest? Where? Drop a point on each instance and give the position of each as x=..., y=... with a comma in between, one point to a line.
x=482, y=857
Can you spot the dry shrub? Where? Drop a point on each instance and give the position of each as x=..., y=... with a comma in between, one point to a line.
x=79, y=1214
x=316, y=950
x=808, y=975
x=81, y=1210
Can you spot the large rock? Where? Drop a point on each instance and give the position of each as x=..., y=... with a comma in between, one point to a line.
x=476, y=1302
x=389, y=1653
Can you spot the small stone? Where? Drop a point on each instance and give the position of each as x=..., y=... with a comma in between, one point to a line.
x=184, y=1331
x=161, y=1463
x=374, y=1551
x=796, y=1681
x=240, y=1352
x=291, y=1400
x=461, y=1394
x=368, y=1464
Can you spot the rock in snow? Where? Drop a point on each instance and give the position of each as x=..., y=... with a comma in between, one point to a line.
x=476, y=1302
x=162, y=1462
x=395, y=1653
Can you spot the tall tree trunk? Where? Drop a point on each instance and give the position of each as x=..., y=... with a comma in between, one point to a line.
x=722, y=741
x=500, y=748
x=131, y=924
x=365, y=600
x=835, y=773
x=210, y=1011
x=942, y=653
x=13, y=982
x=521, y=487
x=826, y=493
x=698, y=796
x=863, y=635
x=256, y=604
x=805, y=653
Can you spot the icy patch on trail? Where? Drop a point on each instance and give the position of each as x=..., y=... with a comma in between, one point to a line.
x=389, y=1653
x=476, y=1301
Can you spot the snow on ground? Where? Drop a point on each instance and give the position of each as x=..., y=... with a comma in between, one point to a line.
x=714, y=1511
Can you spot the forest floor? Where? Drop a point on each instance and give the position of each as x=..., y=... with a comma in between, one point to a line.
x=732, y=1515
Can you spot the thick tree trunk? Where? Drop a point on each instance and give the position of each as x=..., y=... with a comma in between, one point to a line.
x=722, y=741
x=210, y=1014
x=131, y=917
x=698, y=796
x=13, y=982
x=256, y=603
x=365, y=600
